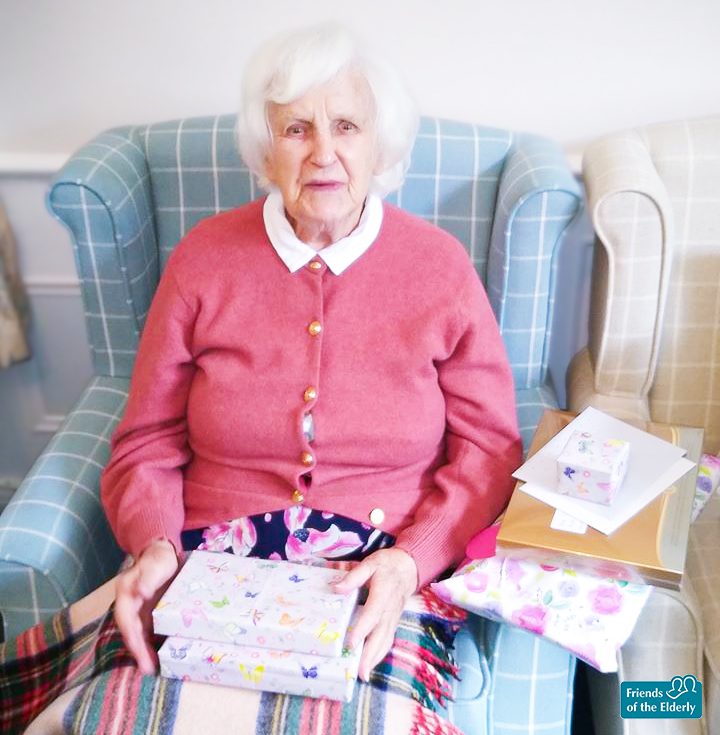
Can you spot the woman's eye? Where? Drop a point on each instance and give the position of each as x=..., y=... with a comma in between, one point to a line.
x=347, y=127
x=295, y=130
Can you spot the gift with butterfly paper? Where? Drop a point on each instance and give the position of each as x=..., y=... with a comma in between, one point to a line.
x=276, y=626
x=283, y=605
x=266, y=669
x=591, y=468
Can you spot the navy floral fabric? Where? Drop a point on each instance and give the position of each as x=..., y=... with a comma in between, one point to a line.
x=297, y=534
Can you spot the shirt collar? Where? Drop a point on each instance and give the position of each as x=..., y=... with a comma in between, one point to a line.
x=339, y=255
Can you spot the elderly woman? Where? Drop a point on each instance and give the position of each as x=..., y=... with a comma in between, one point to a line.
x=320, y=373
x=316, y=349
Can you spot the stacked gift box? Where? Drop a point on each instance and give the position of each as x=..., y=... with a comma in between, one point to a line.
x=647, y=547
x=270, y=625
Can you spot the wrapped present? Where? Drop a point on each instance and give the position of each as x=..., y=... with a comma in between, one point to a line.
x=265, y=669
x=254, y=602
x=650, y=547
x=588, y=616
x=591, y=468
x=708, y=479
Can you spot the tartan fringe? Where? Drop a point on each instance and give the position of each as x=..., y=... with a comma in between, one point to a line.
x=421, y=663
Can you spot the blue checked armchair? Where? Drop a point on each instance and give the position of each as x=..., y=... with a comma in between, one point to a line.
x=128, y=197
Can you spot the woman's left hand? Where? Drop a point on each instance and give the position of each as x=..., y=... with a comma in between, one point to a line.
x=391, y=575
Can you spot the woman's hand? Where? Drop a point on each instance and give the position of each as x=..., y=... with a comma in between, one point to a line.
x=137, y=592
x=392, y=577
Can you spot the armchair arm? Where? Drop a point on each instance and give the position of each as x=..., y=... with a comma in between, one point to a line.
x=538, y=198
x=632, y=218
x=55, y=543
x=511, y=680
x=531, y=679
x=103, y=196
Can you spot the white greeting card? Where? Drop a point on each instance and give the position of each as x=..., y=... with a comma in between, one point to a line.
x=654, y=465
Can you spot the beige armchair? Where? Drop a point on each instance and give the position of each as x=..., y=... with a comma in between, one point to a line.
x=654, y=352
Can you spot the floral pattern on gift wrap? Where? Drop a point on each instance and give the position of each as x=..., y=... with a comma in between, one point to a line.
x=568, y=588
x=476, y=581
x=610, y=570
x=514, y=571
x=588, y=615
x=606, y=600
x=531, y=617
x=708, y=478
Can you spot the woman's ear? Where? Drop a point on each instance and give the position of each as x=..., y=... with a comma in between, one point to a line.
x=268, y=172
x=380, y=166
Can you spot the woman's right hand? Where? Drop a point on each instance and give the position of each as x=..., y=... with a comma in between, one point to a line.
x=137, y=592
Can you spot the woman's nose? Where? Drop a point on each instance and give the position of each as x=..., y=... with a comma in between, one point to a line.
x=323, y=151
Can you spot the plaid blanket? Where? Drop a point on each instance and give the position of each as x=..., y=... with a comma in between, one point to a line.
x=50, y=658
x=402, y=696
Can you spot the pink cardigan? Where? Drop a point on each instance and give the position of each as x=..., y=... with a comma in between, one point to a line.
x=414, y=409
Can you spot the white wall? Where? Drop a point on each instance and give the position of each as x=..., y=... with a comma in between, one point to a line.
x=567, y=69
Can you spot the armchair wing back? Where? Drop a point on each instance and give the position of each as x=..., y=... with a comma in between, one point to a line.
x=654, y=347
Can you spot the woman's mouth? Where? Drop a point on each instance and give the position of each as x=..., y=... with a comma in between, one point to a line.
x=323, y=185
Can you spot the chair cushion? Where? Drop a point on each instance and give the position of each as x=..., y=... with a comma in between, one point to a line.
x=530, y=404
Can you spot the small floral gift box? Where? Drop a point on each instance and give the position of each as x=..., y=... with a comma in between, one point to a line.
x=260, y=668
x=253, y=602
x=591, y=468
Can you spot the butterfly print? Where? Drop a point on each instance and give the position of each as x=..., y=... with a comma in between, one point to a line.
x=291, y=622
x=179, y=653
x=324, y=636
x=310, y=673
x=254, y=675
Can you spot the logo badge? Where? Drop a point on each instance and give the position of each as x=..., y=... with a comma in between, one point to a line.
x=679, y=698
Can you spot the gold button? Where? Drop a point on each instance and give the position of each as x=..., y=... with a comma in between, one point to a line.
x=377, y=516
x=310, y=394
x=297, y=496
x=315, y=265
x=307, y=459
x=314, y=328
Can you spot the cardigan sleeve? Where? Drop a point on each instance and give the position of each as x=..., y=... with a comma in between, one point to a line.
x=482, y=441
x=142, y=485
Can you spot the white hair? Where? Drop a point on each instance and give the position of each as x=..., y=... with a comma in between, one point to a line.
x=288, y=66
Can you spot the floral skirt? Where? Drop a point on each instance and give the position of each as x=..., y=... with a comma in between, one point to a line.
x=297, y=534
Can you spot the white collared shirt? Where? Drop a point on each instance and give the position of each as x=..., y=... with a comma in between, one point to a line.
x=339, y=255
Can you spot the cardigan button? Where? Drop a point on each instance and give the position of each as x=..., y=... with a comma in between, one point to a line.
x=307, y=459
x=310, y=394
x=314, y=328
x=377, y=516
x=315, y=265
x=297, y=496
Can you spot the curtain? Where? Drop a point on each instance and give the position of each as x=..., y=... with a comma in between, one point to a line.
x=14, y=314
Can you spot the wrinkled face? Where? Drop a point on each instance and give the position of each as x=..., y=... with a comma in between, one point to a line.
x=323, y=156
